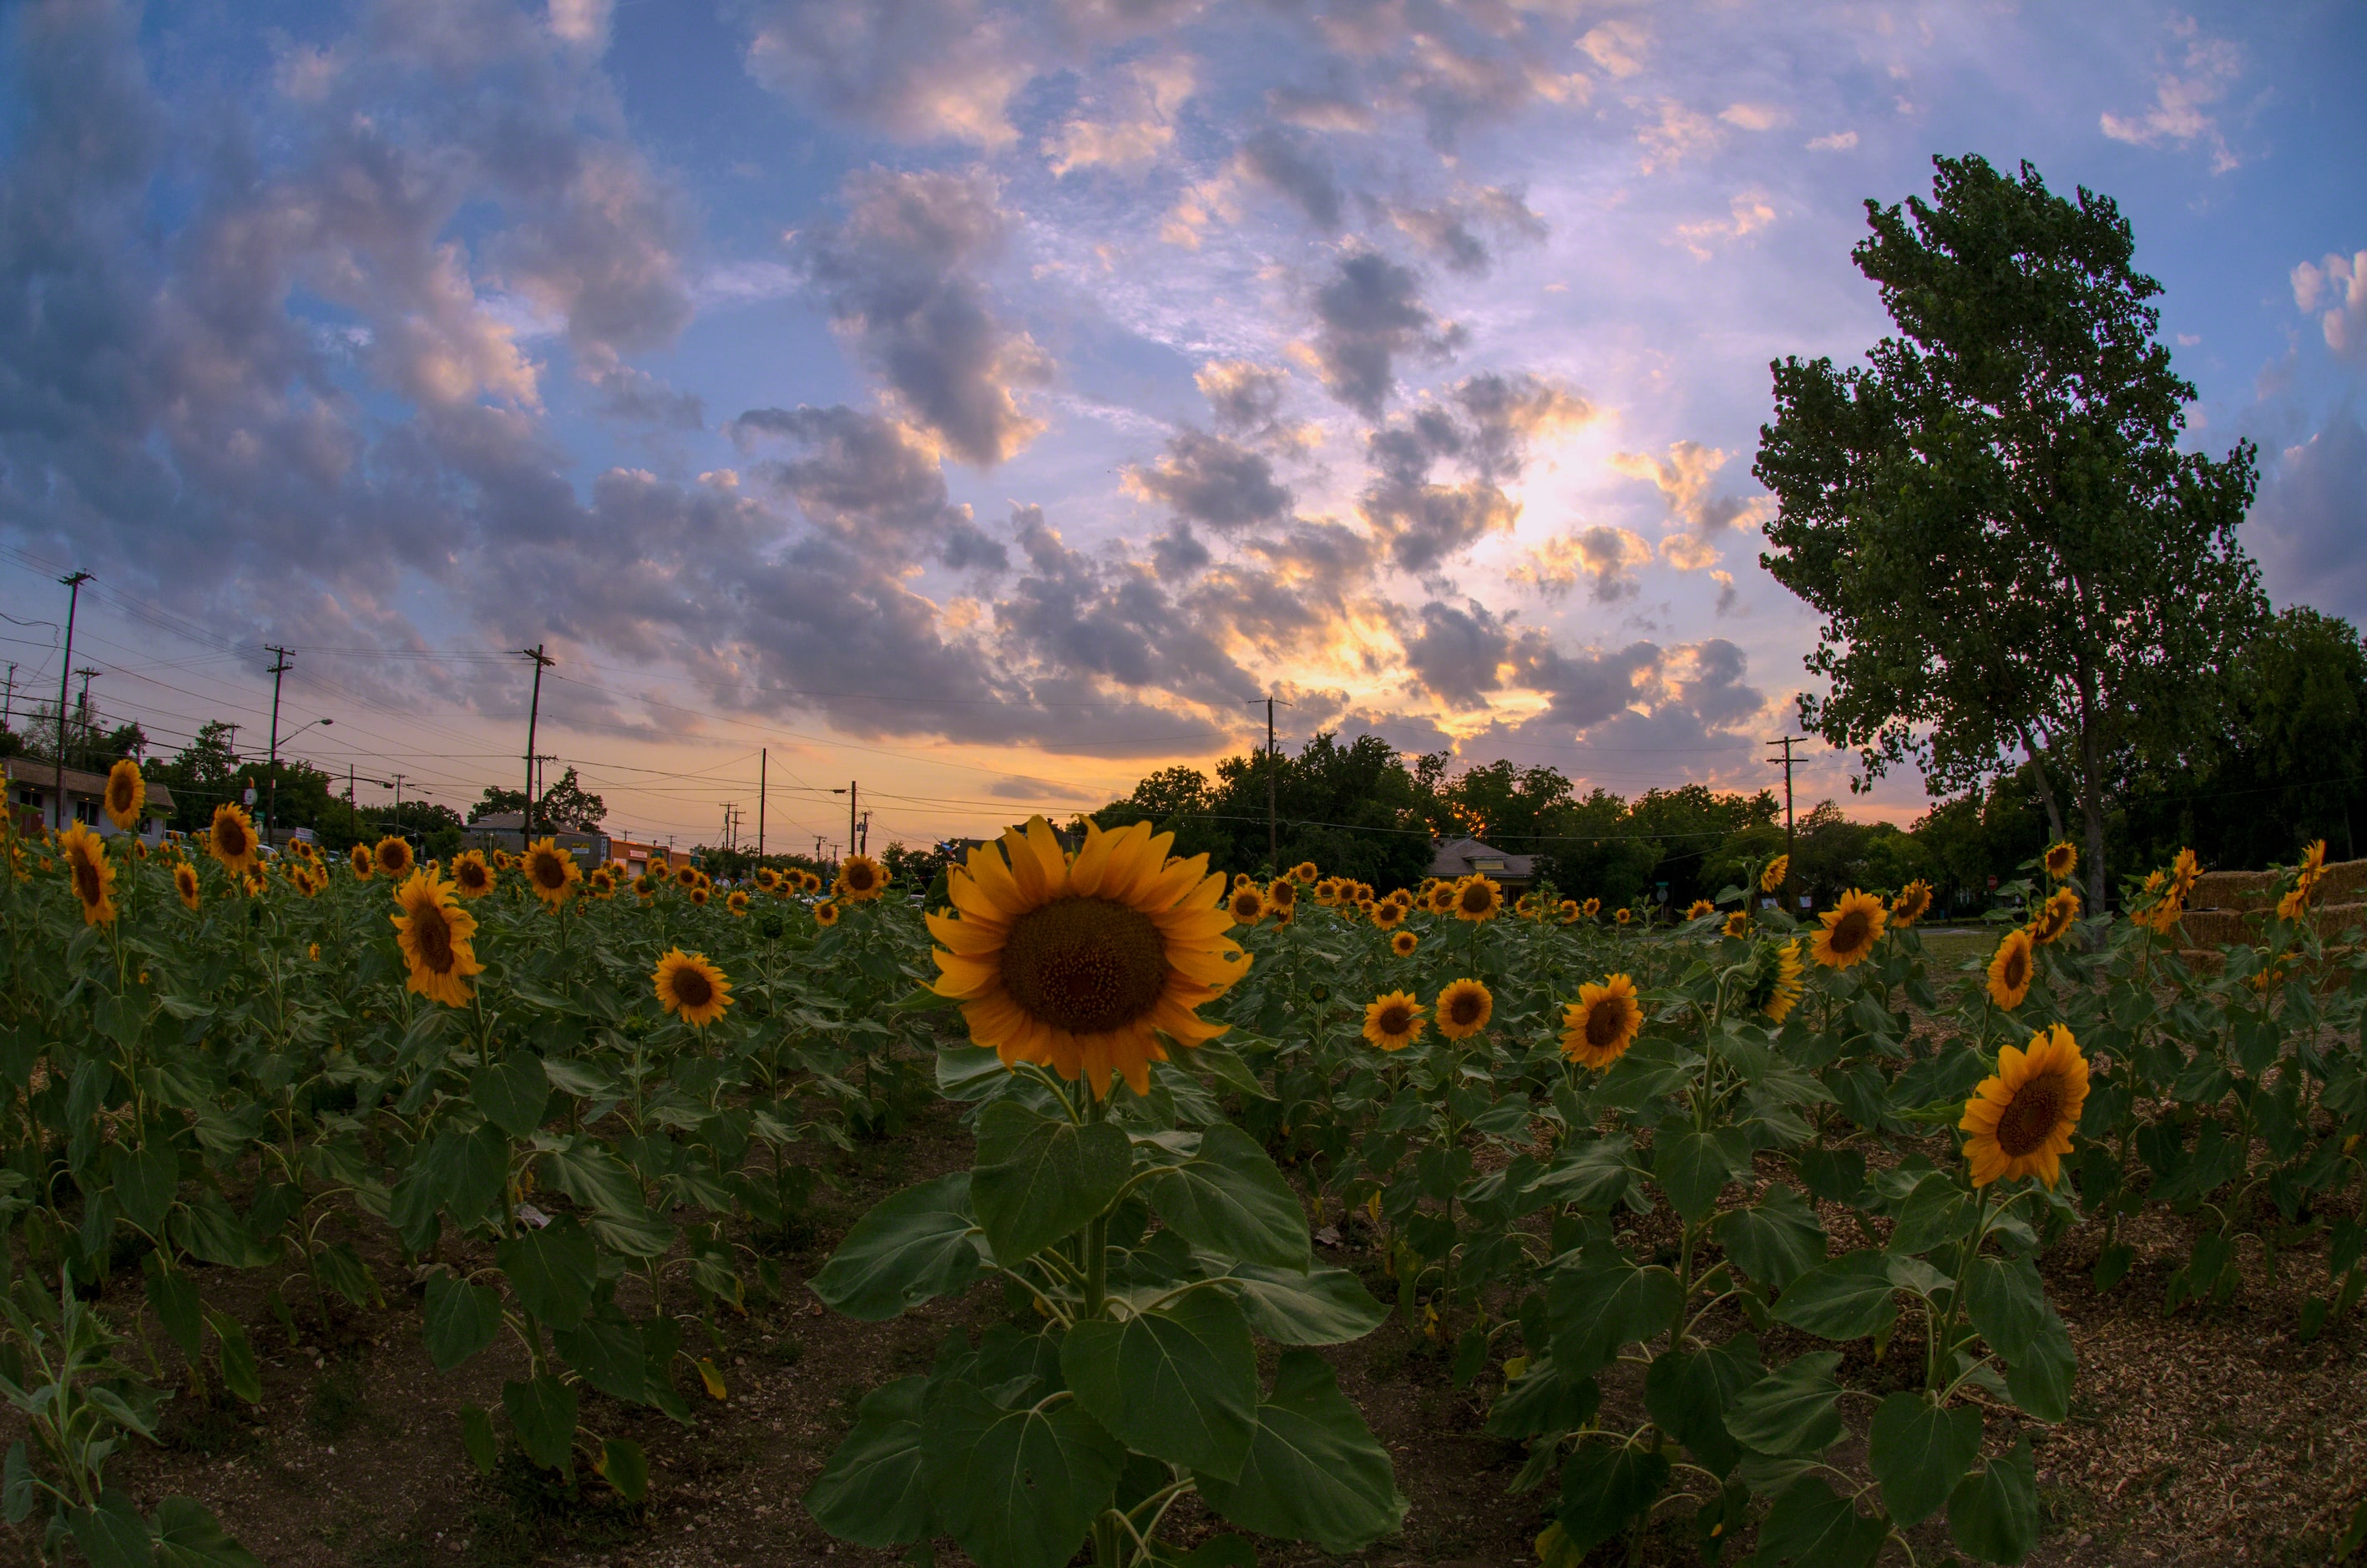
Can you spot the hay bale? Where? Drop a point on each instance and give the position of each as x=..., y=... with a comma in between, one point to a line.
x=2210, y=929
x=2231, y=889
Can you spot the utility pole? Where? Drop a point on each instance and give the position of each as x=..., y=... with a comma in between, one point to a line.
x=8, y=702
x=850, y=792
x=1273, y=824
x=271, y=798
x=862, y=836
x=398, y=802
x=1785, y=743
x=760, y=792
x=74, y=582
x=533, y=712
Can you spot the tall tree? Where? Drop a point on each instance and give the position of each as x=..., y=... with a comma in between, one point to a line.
x=565, y=807
x=2016, y=565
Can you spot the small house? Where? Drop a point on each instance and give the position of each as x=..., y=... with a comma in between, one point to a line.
x=33, y=800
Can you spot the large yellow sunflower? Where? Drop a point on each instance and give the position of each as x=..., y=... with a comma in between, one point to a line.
x=93, y=878
x=1403, y=944
x=1246, y=904
x=1394, y=1021
x=2021, y=1119
x=1597, y=1028
x=392, y=857
x=1084, y=962
x=1387, y=914
x=185, y=882
x=1282, y=893
x=1464, y=1008
x=1440, y=899
x=434, y=932
x=127, y=792
x=860, y=880
x=1850, y=929
x=1305, y=871
x=686, y=875
x=1476, y=898
x=552, y=872
x=1913, y=900
x=1773, y=876
x=2011, y=970
x=2062, y=859
x=826, y=914
x=471, y=877
x=691, y=988
x=230, y=837
x=361, y=861
x=2055, y=916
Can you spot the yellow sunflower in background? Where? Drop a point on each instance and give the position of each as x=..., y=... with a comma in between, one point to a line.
x=825, y=913
x=2023, y=1118
x=2011, y=970
x=2062, y=858
x=1464, y=1008
x=738, y=902
x=646, y=885
x=1305, y=871
x=1388, y=916
x=1525, y=906
x=2152, y=908
x=1850, y=929
x=2183, y=869
x=434, y=933
x=1786, y=981
x=2055, y=916
x=766, y=879
x=1394, y=1021
x=229, y=838
x=602, y=881
x=1699, y=909
x=1441, y=898
x=1327, y=892
x=471, y=877
x=1773, y=876
x=253, y=882
x=1569, y=911
x=701, y=893
x=185, y=882
x=1591, y=908
x=691, y=988
x=860, y=880
x=504, y=861
x=1086, y=962
x=552, y=872
x=1246, y=904
x=686, y=875
x=2313, y=862
x=1913, y=900
x=126, y=793
x=1476, y=898
x=1738, y=923
x=1285, y=916
x=392, y=856
x=93, y=878
x=1623, y=915
x=1282, y=893
x=1403, y=944
x=1597, y=1028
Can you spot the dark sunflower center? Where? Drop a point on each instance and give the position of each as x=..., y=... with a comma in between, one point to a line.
x=2037, y=1107
x=692, y=988
x=547, y=874
x=1087, y=965
x=85, y=878
x=1605, y=1022
x=1474, y=899
x=432, y=934
x=2017, y=969
x=1849, y=932
x=231, y=839
x=1396, y=1018
x=1466, y=1007
x=119, y=796
x=858, y=878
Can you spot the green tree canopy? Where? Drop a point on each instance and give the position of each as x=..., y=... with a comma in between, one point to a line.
x=565, y=807
x=2015, y=562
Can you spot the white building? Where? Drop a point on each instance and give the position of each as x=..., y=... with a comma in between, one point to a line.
x=32, y=800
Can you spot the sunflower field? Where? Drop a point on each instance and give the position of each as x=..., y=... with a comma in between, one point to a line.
x=1734, y=1224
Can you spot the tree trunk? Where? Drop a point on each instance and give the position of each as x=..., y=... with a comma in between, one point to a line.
x=2091, y=808
x=2037, y=770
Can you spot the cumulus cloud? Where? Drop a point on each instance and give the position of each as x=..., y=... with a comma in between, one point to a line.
x=1459, y=232
x=1686, y=478
x=1747, y=214
x=1209, y=479
x=1460, y=653
x=1290, y=163
x=2305, y=528
x=1617, y=45
x=1679, y=134
x=2203, y=71
x=1482, y=428
x=1604, y=557
x=1367, y=316
x=917, y=70
x=1838, y=142
x=1132, y=125
x=875, y=483
x=897, y=277
x=2340, y=284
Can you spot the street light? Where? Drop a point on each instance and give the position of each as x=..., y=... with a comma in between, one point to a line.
x=271, y=806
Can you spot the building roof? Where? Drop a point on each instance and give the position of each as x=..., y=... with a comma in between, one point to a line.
x=1461, y=857
x=44, y=776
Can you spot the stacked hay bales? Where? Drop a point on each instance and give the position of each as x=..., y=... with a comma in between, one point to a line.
x=2228, y=908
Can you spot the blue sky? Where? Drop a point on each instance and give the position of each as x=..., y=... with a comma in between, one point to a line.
x=988, y=400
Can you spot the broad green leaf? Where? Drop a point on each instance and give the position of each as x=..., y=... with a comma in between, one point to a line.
x=207, y=1230
x=145, y=1181
x=870, y=1491
x=111, y=1535
x=587, y=1172
x=1843, y=1298
x=477, y=1438
x=1792, y=1410
x=513, y=1093
x=2010, y=1308
x=1993, y=1513
x=624, y=1466
x=17, y=1491
x=1319, y=1306
x=174, y=1297
x=240, y=1373
x=1693, y=1167
x=911, y=1247
x=1229, y=1199
x=1604, y=1301
x=1776, y=1240
x=1015, y=1488
x=550, y=1271
x=1314, y=1473
x=1937, y=1212
x=1811, y=1527
x=462, y=1319
x=1179, y=1383
x=1918, y=1453
x=1604, y=1488
x=1689, y=1391
x=1543, y=1402
x=188, y=1535
x=607, y=1351
x=1039, y=1180
x=542, y=1414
